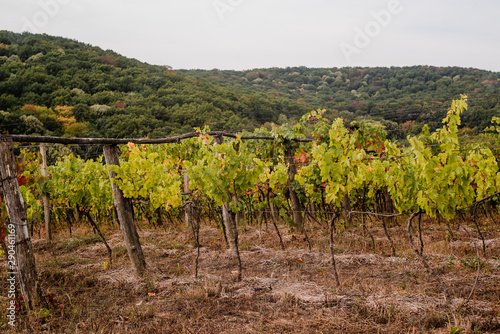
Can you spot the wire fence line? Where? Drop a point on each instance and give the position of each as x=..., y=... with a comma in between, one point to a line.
x=223, y=133
x=111, y=141
x=94, y=142
x=98, y=142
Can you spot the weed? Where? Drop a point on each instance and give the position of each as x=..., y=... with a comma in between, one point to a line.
x=44, y=313
x=246, y=246
x=450, y=264
x=106, y=265
x=471, y=262
x=178, y=245
x=455, y=330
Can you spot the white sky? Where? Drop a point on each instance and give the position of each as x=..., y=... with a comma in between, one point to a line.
x=247, y=34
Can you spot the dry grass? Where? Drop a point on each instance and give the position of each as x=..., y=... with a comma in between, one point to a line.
x=291, y=291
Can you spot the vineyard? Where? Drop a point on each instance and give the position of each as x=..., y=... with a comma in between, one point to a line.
x=289, y=228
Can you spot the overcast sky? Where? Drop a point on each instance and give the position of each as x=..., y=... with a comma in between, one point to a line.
x=245, y=34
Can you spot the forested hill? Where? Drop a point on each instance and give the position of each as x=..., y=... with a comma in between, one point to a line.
x=409, y=96
x=57, y=86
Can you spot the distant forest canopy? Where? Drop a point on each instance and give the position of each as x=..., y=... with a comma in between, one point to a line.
x=58, y=86
x=408, y=96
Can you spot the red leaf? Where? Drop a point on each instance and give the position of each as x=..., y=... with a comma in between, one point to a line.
x=3, y=234
x=21, y=180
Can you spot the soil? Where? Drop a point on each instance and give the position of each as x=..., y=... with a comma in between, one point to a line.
x=281, y=291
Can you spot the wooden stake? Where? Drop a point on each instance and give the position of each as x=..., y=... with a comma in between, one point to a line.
x=296, y=206
x=229, y=218
x=18, y=224
x=46, y=200
x=187, y=208
x=227, y=212
x=125, y=215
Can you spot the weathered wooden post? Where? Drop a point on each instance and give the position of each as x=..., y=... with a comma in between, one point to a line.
x=20, y=243
x=229, y=218
x=125, y=215
x=187, y=208
x=226, y=210
x=296, y=206
x=346, y=209
x=46, y=201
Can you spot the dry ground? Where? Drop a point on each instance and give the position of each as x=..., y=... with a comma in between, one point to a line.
x=290, y=291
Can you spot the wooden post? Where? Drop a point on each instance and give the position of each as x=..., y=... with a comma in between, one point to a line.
x=114, y=214
x=389, y=204
x=125, y=214
x=229, y=218
x=18, y=225
x=187, y=208
x=346, y=210
x=296, y=206
x=46, y=201
x=237, y=216
x=78, y=215
x=226, y=210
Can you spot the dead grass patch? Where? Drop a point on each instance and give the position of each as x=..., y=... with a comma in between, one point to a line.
x=290, y=291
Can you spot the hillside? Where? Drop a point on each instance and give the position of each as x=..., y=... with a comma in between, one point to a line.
x=417, y=95
x=57, y=86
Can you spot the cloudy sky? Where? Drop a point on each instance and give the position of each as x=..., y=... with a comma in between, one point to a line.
x=245, y=34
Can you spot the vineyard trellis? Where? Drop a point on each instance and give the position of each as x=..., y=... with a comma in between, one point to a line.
x=340, y=174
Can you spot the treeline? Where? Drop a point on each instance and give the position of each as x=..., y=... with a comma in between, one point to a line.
x=57, y=86
x=408, y=96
